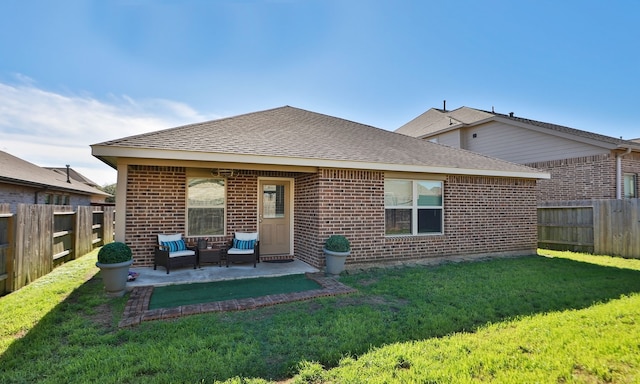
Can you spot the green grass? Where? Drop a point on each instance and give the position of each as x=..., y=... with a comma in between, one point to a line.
x=561, y=317
x=183, y=294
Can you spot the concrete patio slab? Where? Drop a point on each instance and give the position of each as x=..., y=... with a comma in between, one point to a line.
x=212, y=272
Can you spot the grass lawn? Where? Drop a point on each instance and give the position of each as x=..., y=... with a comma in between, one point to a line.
x=560, y=317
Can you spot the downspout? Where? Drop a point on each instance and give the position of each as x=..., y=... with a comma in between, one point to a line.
x=619, y=173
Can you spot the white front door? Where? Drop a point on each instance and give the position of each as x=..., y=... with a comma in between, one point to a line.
x=274, y=205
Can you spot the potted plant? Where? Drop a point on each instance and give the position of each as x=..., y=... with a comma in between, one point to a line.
x=114, y=260
x=336, y=249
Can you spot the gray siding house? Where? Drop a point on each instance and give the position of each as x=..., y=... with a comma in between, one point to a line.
x=583, y=165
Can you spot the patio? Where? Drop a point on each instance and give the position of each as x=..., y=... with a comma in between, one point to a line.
x=212, y=272
x=137, y=307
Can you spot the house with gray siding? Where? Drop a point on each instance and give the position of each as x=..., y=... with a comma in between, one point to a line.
x=296, y=177
x=583, y=165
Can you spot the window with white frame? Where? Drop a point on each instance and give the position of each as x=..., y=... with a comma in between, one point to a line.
x=205, y=206
x=630, y=186
x=413, y=207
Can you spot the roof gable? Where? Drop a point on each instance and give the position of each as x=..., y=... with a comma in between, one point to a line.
x=438, y=120
x=289, y=135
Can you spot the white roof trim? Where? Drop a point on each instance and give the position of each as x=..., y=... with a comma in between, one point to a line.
x=179, y=155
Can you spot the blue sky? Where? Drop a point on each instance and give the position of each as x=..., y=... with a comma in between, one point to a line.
x=75, y=73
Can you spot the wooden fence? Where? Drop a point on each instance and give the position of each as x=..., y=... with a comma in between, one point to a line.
x=37, y=238
x=603, y=227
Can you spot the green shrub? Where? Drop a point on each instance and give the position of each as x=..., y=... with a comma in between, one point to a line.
x=337, y=243
x=113, y=253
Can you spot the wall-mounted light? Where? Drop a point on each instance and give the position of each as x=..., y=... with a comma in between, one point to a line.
x=217, y=172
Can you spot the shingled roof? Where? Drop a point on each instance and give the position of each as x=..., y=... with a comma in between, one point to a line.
x=439, y=121
x=14, y=170
x=292, y=136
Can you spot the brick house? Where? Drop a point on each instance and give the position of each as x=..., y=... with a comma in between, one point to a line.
x=583, y=165
x=22, y=182
x=297, y=177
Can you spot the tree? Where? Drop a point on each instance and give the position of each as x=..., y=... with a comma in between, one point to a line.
x=110, y=189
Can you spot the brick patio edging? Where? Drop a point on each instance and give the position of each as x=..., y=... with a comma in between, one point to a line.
x=137, y=309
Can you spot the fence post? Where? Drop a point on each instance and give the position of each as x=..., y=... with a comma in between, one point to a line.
x=75, y=239
x=6, y=250
x=597, y=228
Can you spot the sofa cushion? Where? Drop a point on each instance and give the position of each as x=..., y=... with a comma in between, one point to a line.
x=187, y=252
x=237, y=251
x=246, y=235
x=244, y=244
x=173, y=237
x=175, y=246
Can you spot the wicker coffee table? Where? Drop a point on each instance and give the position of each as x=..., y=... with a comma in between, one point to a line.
x=210, y=255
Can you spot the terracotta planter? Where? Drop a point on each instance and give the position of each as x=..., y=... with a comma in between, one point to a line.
x=334, y=261
x=114, y=277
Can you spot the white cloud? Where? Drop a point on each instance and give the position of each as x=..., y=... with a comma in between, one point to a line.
x=51, y=130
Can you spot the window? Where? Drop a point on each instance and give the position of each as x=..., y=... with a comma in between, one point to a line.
x=413, y=207
x=53, y=199
x=630, y=186
x=273, y=201
x=205, y=206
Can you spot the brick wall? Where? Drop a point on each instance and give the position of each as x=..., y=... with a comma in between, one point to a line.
x=581, y=178
x=482, y=215
x=16, y=194
x=489, y=215
x=352, y=204
x=156, y=203
x=306, y=219
x=584, y=178
x=242, y=203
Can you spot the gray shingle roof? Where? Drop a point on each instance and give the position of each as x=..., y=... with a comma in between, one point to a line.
x=293, y=133
x=437, y=120
x=14, y=170
x=73, y=174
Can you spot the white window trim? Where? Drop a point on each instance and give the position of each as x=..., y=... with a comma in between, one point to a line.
x=224, y=206
x=415, y=207
x=634, y=177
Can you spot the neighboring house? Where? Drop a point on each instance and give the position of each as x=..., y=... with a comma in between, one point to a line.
x=583, y=165
x=22, y=182
x=297, y=177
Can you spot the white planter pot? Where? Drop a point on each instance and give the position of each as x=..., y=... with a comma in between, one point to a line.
x=114, y=277
x=334, y=261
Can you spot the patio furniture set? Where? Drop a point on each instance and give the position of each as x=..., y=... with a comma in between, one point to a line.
x=172, y=251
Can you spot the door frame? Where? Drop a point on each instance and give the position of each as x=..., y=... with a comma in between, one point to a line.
x=291, y=181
